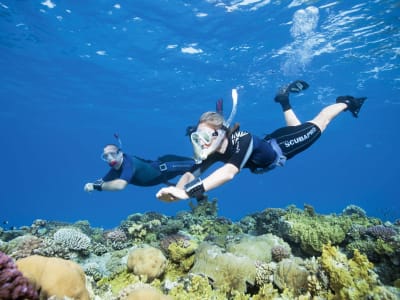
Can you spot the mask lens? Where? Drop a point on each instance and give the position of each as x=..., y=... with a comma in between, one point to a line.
x=201, y=137
x=109, y=156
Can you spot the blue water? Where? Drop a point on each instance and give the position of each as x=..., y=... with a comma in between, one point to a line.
x=73, y=73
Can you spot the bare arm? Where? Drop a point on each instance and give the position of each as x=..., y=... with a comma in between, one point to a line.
x=220, y=176
x=185, y=178
x=113, y=185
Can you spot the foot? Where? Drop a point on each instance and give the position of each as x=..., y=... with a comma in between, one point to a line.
x=353, y=104
x=282, y=97
x=294, y=87
x=297, y=86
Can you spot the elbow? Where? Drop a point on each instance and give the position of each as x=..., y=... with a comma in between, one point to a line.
x=121, y=185
x=231, y=172
x=230, y=176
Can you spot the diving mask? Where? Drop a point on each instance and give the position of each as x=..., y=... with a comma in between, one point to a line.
x=202, y=140
x=112, y=158
x=203, y=137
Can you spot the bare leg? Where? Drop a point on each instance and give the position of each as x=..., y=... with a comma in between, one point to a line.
x=327, y=115
x=282, y=97
x=291, y=118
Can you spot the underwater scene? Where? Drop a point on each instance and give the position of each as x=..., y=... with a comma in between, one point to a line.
x=115, y=185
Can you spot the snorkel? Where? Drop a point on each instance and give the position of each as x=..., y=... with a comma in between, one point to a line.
x=114, y=158
x=201, y=153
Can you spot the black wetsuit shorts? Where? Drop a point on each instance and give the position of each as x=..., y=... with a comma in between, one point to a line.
x=295, y=139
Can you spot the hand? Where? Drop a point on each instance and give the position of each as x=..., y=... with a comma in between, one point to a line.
x=171, y=194
x=88, y=187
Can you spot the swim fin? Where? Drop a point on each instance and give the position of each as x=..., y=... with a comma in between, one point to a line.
x=297, y=86
x=294, y=87
x=353, y=104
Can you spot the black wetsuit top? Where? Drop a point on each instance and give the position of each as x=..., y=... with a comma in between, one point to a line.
x=247, y=151
x=142, y=172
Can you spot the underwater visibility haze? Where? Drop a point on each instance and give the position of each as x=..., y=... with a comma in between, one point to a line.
x=73, y=73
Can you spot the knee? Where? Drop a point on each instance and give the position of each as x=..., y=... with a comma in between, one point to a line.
x=321, y=120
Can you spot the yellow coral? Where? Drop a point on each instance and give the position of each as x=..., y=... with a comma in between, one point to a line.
x=353, y=278
x=119, y=281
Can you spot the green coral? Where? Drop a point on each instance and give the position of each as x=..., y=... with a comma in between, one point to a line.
x=266, y=292
x=204, y=207
x=384, y=248
x=181, y=253
x=195, y=287
x=353, y=278
x=118, y=281
x=312, y=232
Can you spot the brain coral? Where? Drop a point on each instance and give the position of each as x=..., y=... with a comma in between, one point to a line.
x=148, y=261
x=258, y=247
x=72, y=239
x=228, y=271
x=55, y=277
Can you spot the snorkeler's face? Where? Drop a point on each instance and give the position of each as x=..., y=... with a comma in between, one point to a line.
x=204, y=136
x=113, y=156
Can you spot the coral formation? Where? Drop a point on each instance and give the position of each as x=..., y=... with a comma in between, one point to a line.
x=180, y=250
x=290, y=275
x=117, y=239
x=141, y=291
x=72, y=239
x=148, y=262
x=312, y=232
x=279, y=252
x=258, y=248
x=381, y=232
x=54, y=277
x=352, y=278
x=228, y=271
x=13, y=285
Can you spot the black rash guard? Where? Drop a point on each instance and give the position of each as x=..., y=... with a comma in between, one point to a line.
x=247, y=151
x=240, y=152
x=142, y=172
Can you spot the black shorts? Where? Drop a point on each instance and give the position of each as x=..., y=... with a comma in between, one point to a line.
x=295, y=139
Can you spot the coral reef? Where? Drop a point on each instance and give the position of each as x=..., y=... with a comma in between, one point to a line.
x=13, y=285
x=278, y=253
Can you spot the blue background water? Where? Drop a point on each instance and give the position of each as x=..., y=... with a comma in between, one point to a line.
x=73, y=73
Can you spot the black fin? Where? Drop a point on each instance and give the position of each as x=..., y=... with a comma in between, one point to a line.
x=297, y=86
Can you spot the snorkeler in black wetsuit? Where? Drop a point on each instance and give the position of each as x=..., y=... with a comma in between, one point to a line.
x=213, y=141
